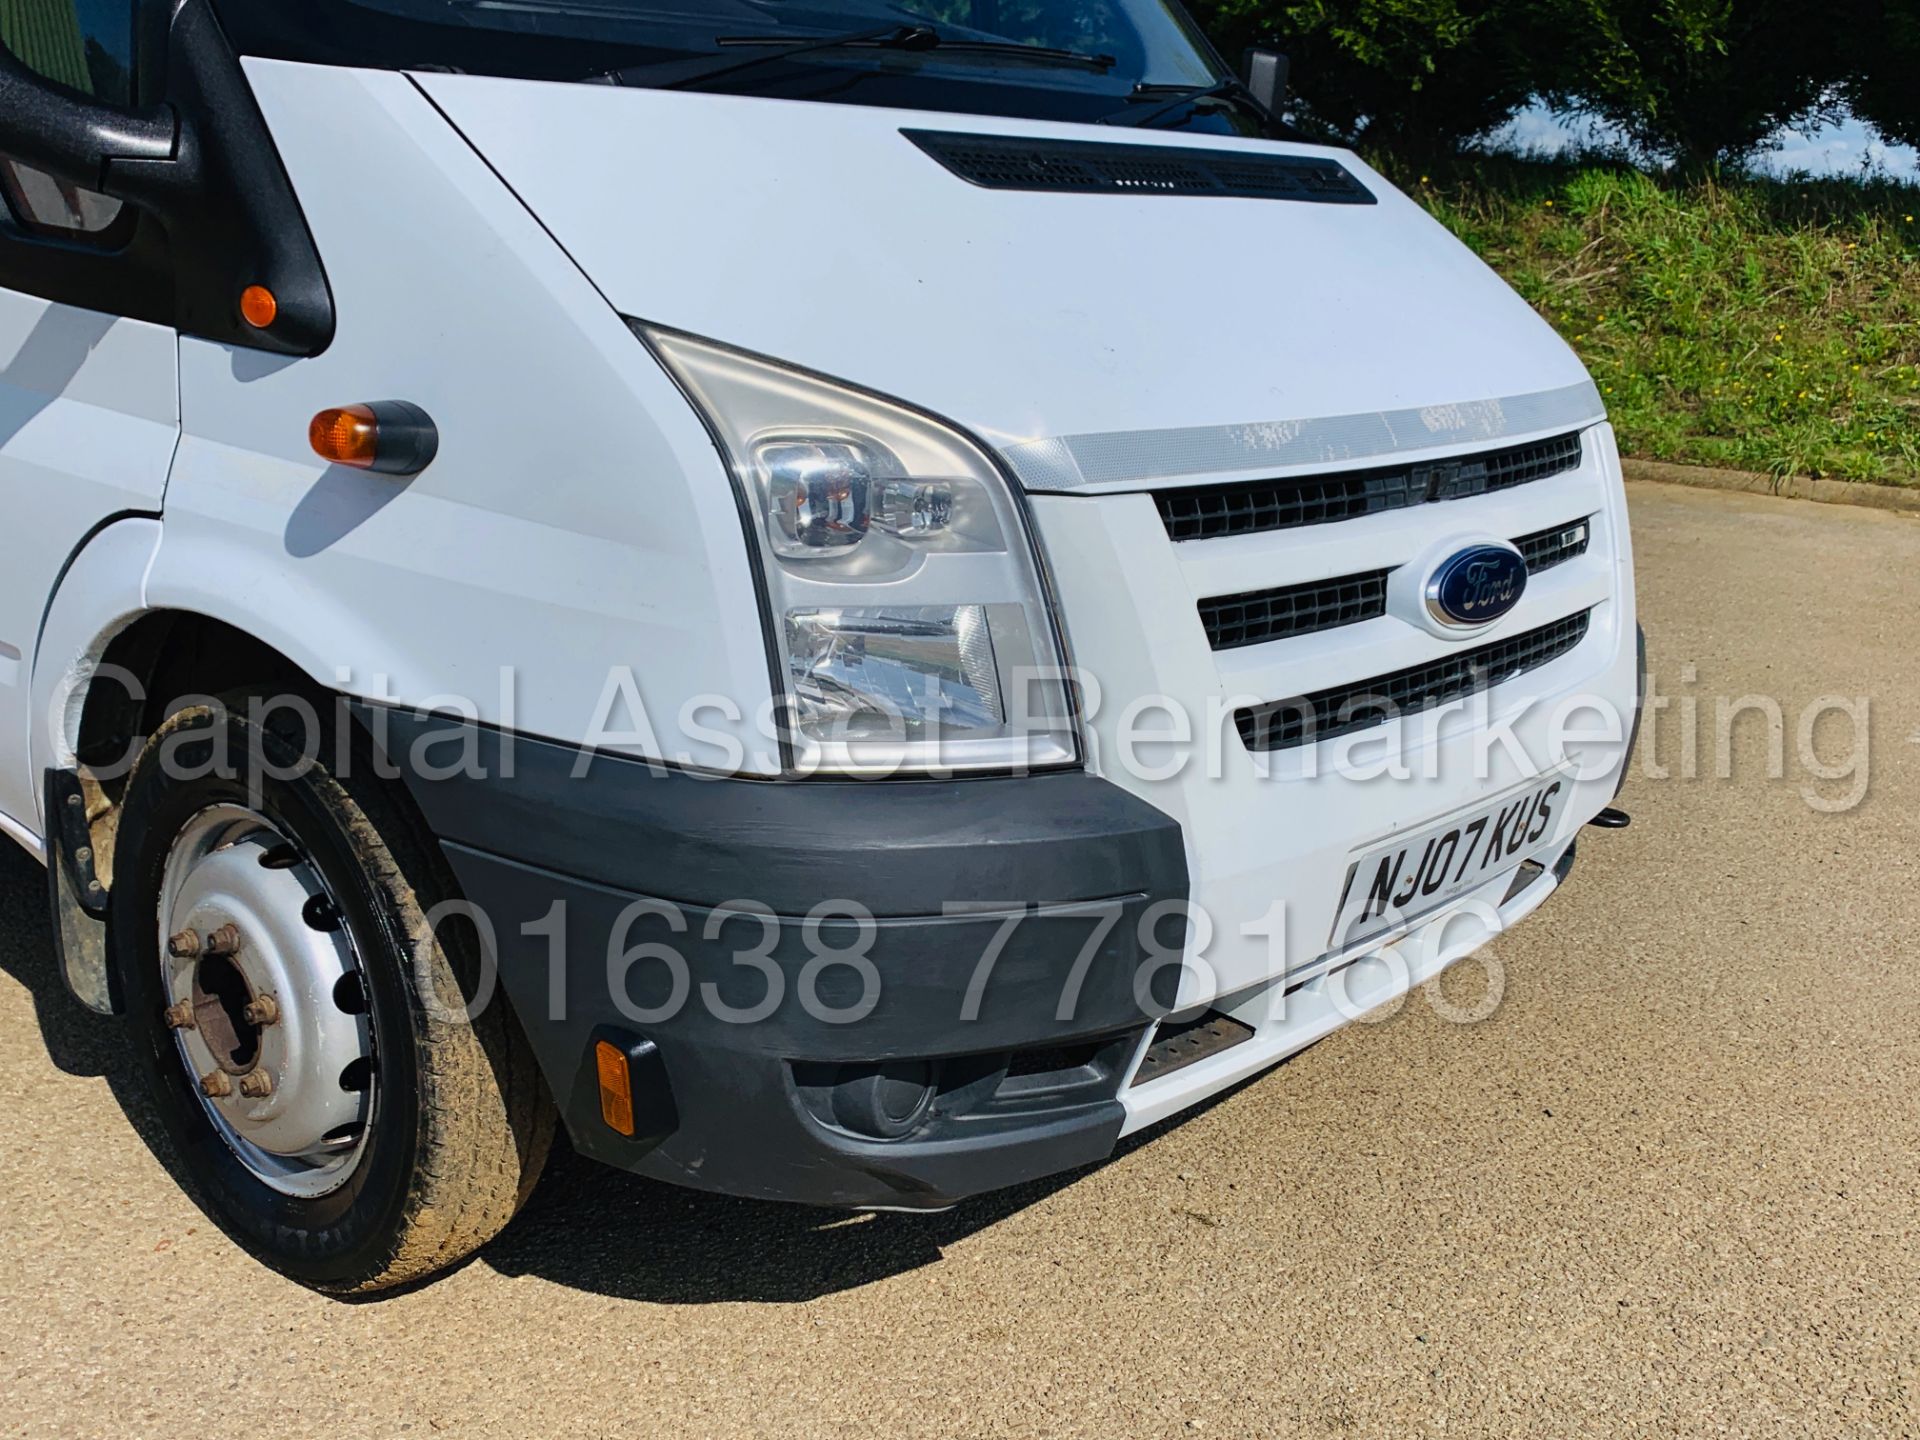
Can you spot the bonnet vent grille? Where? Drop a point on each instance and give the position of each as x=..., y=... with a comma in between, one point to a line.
x=1075, y=167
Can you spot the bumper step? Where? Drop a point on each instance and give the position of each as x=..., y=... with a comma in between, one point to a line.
x=1178, y=1046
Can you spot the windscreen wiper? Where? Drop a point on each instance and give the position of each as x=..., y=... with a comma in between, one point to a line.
x=892, y=37
x=1184, y=97
x=1016, y=50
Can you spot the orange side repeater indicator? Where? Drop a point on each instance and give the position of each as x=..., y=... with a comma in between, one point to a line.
x=616, y=1087
x=258, y=306
x=346, y=435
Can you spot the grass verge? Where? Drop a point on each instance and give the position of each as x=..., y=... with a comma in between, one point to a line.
x=1752, y=324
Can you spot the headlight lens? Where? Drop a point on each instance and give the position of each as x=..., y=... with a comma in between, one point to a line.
x=913, y=628
x=819, y=495
x=874, y=669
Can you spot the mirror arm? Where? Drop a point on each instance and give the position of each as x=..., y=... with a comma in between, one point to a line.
x=77, y=138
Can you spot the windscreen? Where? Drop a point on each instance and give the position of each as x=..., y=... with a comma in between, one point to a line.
x=1123, y=60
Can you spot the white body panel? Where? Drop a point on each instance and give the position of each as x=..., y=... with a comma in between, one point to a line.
x=817, y=234
x=89, y=418
x=576, y=521
x=103, y=591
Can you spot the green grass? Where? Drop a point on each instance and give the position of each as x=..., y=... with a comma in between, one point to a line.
x=1759, y=325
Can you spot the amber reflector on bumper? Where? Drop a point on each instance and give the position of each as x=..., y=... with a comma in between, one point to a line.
x=616, y=1087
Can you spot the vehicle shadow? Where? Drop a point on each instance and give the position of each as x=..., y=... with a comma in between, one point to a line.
x=78, y=1041
x=587, y=1227
x=593, y=1228
x=46, y=363
x=590, y=1227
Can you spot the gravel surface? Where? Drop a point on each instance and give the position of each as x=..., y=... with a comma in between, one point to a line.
x=1671, y=1187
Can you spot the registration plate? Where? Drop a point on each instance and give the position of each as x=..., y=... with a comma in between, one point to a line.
x=1394, y=884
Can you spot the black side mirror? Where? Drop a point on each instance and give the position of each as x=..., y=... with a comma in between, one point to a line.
x=1267, y=71
x=131, y=155
x=203, y=167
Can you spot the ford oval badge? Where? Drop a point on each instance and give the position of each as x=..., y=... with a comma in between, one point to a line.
x=1476, y=587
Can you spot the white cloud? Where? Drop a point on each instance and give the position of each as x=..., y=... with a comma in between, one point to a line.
x=1821, y=150
x=1540, y=131
x=1838, y=150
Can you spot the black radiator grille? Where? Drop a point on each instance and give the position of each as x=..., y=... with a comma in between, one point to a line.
x=1076, y=167
x=1348, y=709
x=1236, y=621
x=1209, y=512
x=1547, y=548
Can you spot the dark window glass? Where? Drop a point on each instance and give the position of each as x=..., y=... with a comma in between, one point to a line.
x=86, y=45
x=995, y=57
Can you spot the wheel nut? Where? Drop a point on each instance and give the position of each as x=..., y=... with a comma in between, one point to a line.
x=184, y=945
x=179, y=1015
x=225, y=940
x=256, y=1084
x=261, y=1010
x=216, y=1086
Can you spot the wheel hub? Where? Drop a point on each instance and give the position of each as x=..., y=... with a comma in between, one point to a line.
x=276, y=1039
x=221, y=996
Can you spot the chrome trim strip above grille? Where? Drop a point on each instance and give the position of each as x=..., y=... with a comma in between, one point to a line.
x=1125, y=457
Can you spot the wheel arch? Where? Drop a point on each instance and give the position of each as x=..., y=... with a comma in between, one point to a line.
x=113, y=691
x=136, y=673
x=159, y=657
x=124, y=625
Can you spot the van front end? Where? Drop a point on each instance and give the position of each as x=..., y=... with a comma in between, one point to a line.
x=853, y=608
x=1100, y=598
x=989, y=424
x=900, y=993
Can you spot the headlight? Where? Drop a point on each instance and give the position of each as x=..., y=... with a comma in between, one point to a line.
x=912, y=626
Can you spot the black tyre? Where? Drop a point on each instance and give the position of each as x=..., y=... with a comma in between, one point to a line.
x=305, y=1029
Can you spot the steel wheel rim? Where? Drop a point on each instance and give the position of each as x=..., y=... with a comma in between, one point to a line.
x=243, y=915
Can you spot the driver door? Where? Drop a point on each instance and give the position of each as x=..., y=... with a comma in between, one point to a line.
x=89, y=362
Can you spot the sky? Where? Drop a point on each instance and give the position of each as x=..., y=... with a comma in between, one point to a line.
x=1828, y=150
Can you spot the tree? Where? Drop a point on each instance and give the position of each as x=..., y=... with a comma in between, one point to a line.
x=1704, y=83
x=1884, y=88
x=1412, y=76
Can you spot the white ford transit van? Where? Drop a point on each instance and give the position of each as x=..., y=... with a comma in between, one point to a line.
x=850, y=600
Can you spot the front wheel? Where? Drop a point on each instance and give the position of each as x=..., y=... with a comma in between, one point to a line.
x=306, y=1030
